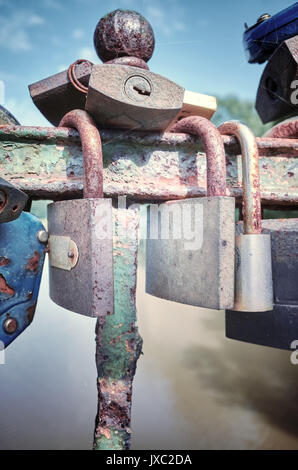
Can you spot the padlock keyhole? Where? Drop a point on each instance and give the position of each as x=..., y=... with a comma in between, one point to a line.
x=141, y=91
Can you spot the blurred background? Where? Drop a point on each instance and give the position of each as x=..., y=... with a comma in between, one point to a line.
x=194, y=389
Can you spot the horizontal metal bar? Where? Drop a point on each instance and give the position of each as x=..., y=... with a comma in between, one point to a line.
x=46, y=162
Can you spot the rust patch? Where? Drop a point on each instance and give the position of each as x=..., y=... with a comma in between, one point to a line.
x=4, y=261
x=31, y=312
x=115, y=405
x=32, y=264
x=129, y=346
x=4, y=287
x=284, y=130
x=105, y=432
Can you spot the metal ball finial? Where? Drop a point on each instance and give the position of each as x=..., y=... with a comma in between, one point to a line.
x=123, y=33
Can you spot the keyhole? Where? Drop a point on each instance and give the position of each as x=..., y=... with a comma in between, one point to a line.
x=141, y=91
x=137, y=88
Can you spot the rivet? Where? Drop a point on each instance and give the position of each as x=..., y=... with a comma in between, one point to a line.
x=263, y=17
x=42, y=236
x=10, y=325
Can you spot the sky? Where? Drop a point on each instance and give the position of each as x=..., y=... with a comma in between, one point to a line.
x=198, y=44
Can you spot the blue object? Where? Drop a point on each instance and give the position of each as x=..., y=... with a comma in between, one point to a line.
x=263, y=38
x=21, y=263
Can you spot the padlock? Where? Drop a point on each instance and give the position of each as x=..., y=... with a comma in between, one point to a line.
x=22, y=252
x=253, y=267
x=122, y=93
x=277, y=328
x=119, y=96
x=12, y=201
x=127, y=97
x=200, y=273
x=81, y=234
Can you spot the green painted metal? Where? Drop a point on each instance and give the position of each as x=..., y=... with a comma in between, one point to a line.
x=47, y=163
x=118, y=341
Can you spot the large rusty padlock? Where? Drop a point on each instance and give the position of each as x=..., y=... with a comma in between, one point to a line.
x=253, y=269
x=199, y=274
x=81, y=234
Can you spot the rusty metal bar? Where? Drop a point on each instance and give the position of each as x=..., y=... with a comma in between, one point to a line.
x=267, y=146
x=250, y=175
x=47, y=163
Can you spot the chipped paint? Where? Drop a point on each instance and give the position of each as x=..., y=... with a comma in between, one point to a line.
x=4, y=261
x=47, y=163
x=32, y=264
x=31, y=312
x=4, y=287
x=118, y=341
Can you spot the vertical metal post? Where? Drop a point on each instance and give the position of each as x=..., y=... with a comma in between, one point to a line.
x=118, y=343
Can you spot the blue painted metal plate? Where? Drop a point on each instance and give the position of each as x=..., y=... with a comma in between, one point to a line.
x=262, y=39
x=21, y=263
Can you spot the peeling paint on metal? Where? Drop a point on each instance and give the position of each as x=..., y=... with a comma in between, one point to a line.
x=32, y=264
x=4, y=287
x=143, y=166
x=116, y=362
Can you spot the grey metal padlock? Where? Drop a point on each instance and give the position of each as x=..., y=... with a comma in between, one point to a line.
x=81, y=234
x=200, y=273
x=277, y=328
x=128, y=97
x=253, y=267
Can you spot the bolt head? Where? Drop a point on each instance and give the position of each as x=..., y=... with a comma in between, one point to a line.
x=10, y=325
x=263, y=17
x=42, y=236
x=123, y=33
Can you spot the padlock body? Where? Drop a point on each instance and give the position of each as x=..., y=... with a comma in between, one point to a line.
x=21, y=264
x=253, y=273
x=113, y=101
x=201, y=272
x=81, y=278
x=276, y=328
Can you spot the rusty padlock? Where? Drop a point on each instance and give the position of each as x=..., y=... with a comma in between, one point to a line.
x=122, y=93
x=200, y=273
x=253, y=268
x=128, y=97
x=81, y=234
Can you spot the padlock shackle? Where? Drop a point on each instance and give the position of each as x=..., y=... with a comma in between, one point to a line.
x=214, y=149
x=92, y=151
x=288, y=129
x=251, y=196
